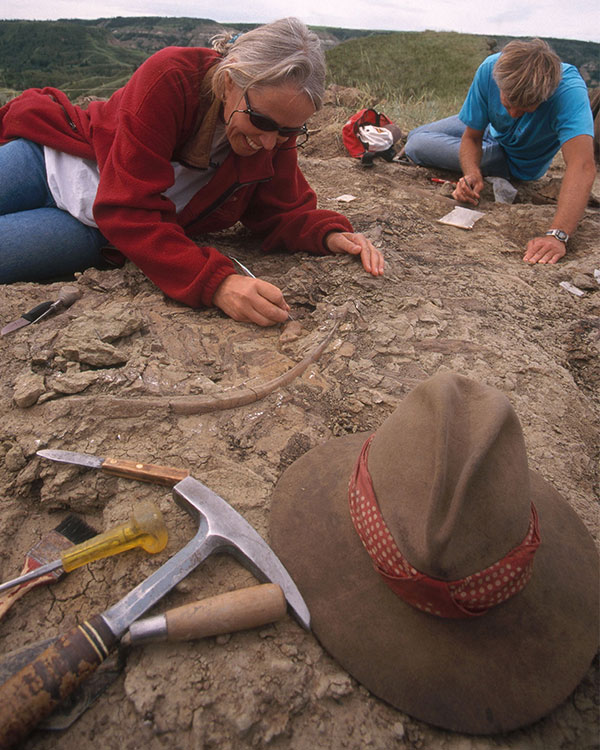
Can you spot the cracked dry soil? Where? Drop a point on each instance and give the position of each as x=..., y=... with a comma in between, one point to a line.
x=450, y=299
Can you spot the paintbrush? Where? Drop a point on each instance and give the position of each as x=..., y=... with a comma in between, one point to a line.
x=71, y=530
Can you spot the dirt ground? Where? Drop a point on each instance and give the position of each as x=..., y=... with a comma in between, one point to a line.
x=450, y=299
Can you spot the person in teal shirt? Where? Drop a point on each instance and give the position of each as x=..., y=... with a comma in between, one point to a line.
x=523, y=106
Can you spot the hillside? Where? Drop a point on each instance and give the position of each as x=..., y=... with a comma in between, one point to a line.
x=79, y=59
x=96, y=57
x=441, y=64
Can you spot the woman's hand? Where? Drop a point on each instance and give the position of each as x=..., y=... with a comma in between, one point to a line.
x=250, y=300
x=357, y=244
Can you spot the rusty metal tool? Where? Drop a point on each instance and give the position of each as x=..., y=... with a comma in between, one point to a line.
x=145, y=529
x=230, y=612
x=66, y=296
x=40, y=686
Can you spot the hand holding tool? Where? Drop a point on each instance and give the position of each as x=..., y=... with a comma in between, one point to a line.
x=39, y=687
x=66, y=296
x=145, y=529
x=71, y=530
x=247, y=272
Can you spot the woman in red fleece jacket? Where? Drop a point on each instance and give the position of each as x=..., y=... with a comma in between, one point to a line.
x=197, y=140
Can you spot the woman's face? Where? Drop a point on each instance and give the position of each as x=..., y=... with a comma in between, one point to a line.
x=284, y=105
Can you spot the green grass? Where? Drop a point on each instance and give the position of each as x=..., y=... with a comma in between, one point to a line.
x=65, y=55
x=410, y=112
x=409, y=64
x=413, y=77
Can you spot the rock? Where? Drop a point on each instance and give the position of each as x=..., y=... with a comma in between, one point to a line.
x=15, y=460
x=291, y=332
x=346, y=349
x=398, y=730
x=334, y=685
x=93, y=352
x=73, y=382
x=585, y=281
x=28, y=389
x=116, y=322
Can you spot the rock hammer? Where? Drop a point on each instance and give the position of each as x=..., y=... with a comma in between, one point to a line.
x=32, y=693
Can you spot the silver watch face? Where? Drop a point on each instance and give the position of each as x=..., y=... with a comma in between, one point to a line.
x=559, y=234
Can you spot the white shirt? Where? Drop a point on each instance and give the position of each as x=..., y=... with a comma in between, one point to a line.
x=73, y=181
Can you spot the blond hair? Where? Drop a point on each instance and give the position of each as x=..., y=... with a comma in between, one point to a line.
x=527, y=73
x=278, y=53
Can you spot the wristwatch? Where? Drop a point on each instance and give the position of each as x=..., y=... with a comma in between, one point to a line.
x=559, y=234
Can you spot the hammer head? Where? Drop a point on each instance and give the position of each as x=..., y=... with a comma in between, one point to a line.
x=225, y=530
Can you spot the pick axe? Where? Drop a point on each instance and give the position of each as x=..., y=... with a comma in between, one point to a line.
x=40, y=686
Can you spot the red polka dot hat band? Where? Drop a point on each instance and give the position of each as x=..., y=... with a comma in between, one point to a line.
x=466, y=597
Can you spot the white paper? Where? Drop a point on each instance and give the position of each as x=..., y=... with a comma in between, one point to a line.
x=573, y=289
x=464, y=218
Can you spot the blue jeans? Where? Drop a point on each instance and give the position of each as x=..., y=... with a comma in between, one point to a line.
x=437, y=145
x=38, y=241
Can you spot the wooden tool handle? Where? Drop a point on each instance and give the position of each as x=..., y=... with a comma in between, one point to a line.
x=167, y=475
x=31, y=694
x=226, y=613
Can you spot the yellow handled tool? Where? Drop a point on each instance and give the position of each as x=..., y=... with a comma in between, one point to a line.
x=145, y=529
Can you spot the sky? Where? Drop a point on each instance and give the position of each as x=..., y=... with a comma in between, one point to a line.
x=571, y=19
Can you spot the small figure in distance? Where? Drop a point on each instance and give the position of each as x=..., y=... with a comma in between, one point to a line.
x=522, y=107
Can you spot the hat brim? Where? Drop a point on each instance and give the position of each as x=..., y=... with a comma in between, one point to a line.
x=482, y=675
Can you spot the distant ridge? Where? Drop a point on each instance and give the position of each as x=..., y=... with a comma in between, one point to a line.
x=95, y=57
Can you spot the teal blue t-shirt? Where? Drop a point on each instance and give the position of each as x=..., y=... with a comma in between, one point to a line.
x=532, y=140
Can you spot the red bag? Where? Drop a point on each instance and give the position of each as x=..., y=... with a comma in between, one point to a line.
x=350, y=137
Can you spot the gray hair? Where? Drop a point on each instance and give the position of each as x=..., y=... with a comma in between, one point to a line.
x=278, y=53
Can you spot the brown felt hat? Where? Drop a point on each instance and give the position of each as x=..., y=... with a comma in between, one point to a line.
x=449, y=471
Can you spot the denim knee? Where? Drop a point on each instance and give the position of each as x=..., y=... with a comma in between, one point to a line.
x=46, y=243
x=433, y=149
x=23, y=183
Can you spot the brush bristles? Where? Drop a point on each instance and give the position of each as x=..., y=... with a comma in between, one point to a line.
x=75, y=529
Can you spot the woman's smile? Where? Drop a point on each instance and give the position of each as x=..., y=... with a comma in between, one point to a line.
x=284, y=105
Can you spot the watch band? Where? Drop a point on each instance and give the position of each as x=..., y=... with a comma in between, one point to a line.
x=559, y=234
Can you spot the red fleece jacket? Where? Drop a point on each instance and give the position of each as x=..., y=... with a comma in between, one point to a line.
x=134, y=136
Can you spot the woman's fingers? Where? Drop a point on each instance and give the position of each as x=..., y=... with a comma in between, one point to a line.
x=250, y=300
x=357, y=244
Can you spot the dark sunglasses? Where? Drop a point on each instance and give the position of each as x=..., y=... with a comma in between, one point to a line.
x=262, y=122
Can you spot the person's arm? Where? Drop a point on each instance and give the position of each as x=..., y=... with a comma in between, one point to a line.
x=574, y=193
x=469, y=187
x=144, y=125
x=283, y=211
